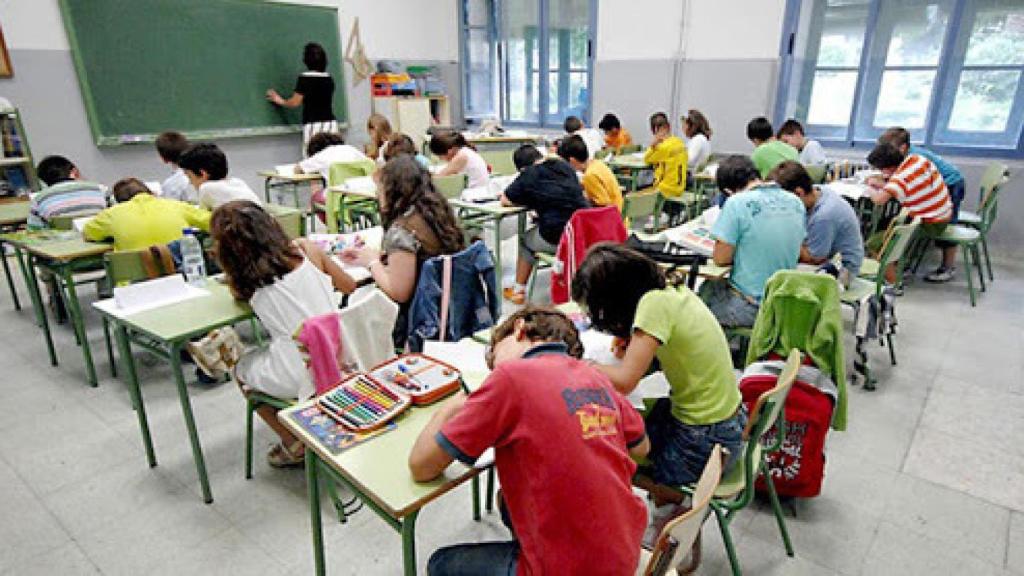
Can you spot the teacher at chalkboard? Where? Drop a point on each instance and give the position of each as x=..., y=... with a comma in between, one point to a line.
x=314, y=91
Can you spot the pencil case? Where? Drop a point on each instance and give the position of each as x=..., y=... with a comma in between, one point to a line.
x=423, y=378
x=362, y=403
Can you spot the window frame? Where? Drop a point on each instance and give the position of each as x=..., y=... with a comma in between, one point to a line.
x=499, y=66
x=870, y=73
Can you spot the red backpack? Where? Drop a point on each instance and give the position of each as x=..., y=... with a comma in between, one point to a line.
x=797, y=467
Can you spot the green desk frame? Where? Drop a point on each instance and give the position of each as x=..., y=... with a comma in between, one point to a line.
x=13, y=215
x=164, y=331
x=476, y=214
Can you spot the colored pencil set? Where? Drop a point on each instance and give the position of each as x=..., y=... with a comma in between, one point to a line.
x=362, y=403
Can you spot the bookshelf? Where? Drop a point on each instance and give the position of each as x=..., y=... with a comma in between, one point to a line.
x=17, y=169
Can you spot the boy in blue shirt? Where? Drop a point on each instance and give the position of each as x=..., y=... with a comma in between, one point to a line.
x=900, y=138
x=832, y=225
x=759, y=232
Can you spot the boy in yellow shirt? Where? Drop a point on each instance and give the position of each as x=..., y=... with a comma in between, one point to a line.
x=668, y=156
x=140, y=220
x=599, y=184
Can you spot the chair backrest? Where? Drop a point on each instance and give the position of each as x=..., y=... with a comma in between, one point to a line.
x=500, y=161
x=898, y=240
x=63, y=222
x=603, y=153
x=996, y=174
x=339, y=172
x=769, y=408
x=816, y=172
x=679, y=534
x=289, y=218
x=130, y=266
x=366, y=325
x=641, y=205
x=630, y=149
x=450, y=186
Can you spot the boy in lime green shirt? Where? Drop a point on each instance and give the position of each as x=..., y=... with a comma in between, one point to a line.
x=140, y=220
x=768, y=152
x=625, y=294
x=668, y=156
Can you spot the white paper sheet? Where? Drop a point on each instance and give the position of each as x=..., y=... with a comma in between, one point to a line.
x=149, y=295
x=285, y=169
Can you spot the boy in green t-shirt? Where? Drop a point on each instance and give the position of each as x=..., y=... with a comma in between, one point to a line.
x=768, y=152
x=625, y=295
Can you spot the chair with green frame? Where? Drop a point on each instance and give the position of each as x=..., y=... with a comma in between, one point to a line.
x=995, y=176
x=817, y=172
x=736, y=489
x=340, y=212
x=289, y=218
x=872, y=282
x=500, y=162
x=641, y=207
x=450, y=186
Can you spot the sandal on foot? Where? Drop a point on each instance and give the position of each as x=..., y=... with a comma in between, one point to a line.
x=281, y=457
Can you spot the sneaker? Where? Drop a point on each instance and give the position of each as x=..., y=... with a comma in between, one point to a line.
x=517, y=297
x=942, y=274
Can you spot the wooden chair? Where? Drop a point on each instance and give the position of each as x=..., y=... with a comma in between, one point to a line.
x=679, y=534
x=736, y=489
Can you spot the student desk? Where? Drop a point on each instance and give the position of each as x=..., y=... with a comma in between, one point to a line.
x=377, y=471
x=480, y=213
x=13, y=215
x=347, y=198
x=632, y=165
x=291, y=184
x=484, y=143
x=165, y=331
x=869, y=213
x=63, y=254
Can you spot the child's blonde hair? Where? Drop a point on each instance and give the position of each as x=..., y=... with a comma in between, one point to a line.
x=380, y=130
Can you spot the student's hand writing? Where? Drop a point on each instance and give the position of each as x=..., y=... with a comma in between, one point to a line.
x=359, y=255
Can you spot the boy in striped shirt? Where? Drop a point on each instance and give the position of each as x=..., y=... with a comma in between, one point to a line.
x=917, y=185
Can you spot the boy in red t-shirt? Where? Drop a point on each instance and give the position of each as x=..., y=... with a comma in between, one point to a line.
x=563, y=438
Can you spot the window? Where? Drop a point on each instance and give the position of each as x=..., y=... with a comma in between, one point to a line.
x=527, y=61
x=950, y=71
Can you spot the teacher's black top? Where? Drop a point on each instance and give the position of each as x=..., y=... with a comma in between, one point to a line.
x=317, y=89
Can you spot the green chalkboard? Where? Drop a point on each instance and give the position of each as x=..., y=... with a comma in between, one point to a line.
x=201, y=67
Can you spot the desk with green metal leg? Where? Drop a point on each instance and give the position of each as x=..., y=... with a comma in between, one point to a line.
x=164, y=331
x=13, y=215
x=632, y=165
x=477, y=214
x=377, y=471
x=63, y=254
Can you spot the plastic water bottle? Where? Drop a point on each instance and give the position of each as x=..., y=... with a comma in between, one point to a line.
x=192, y=263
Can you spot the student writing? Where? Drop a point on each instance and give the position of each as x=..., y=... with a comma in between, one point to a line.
x=207, y=169
x=140, y=220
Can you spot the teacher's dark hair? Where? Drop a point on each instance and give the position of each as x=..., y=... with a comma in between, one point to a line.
x=315, y=57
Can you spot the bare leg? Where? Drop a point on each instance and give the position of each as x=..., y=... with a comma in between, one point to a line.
x=269, y=415
x=523, y=269
x=949, y=257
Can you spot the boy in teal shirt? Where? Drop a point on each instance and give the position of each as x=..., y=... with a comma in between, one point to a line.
x=759, y=232
x=768, y=152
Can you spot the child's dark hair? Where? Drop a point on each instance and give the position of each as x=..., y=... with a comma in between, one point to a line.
x=610, y=283
x=205, y=157
x=54, y=170
x=609, y=122
x=322, y=141
x=542, y=324
x=171, y=145
x=251, y=247
x=573, y=148
x=442, y=142
x=790, y=175
x=735, y=172
x=698, y=123
x=314, y=57
x=659, y=120
x=791, y=126
x=406, y=185
x=760, y=128
x=896, y=136
x=526, y=156
x=572, y=124
x=885, y=156
x=399, y=144
x=127, y=188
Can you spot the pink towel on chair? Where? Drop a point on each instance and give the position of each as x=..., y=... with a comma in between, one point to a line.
x=320, y=336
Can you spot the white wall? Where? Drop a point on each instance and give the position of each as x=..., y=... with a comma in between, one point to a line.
x=734, y=29
x=638, y=30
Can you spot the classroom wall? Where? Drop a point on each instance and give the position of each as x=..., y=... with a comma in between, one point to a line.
x=46, y=90
x=673, y=55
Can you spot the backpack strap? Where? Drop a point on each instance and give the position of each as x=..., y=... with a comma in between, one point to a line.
x=446, y=294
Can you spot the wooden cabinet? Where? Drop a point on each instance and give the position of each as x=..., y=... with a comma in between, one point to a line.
x=413, y=115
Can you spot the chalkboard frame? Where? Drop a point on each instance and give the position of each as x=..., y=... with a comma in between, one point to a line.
x=102, y=139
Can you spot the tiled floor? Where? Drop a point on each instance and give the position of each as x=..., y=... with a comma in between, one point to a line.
x=929, y=478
